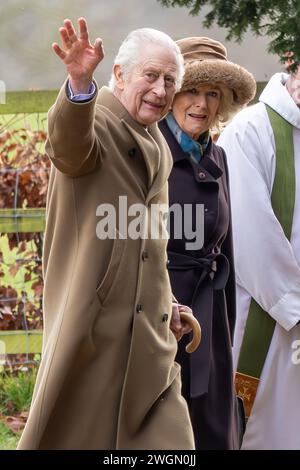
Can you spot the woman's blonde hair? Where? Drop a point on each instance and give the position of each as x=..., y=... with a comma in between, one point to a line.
x=227, y=109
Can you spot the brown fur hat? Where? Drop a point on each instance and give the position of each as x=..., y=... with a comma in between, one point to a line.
x=206, y=61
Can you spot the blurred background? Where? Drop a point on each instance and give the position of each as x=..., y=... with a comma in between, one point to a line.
x=27, y=29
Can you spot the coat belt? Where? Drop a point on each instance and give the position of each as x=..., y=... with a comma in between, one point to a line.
x=213, y=275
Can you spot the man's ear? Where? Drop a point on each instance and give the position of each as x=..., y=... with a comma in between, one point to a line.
x=119, y=76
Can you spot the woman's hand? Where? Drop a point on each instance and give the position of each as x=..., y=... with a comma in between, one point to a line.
x=79, y=55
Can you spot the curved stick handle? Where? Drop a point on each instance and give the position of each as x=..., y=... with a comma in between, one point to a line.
x=194, y=324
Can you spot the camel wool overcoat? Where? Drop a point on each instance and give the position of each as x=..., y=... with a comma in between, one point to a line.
x=107, y=378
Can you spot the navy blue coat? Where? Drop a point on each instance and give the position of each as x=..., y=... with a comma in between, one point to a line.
x=204, y=279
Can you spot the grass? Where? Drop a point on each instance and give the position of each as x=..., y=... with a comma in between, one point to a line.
x=34, y=121
x=15, y=397
x=38, y=101
x=16, y=391
x=8, y=439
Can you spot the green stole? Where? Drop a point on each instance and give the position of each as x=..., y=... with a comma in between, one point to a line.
x=260, y=325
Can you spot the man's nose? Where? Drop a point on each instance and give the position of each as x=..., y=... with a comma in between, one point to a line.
x=160, y=87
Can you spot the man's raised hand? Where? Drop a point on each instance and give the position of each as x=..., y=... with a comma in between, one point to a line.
x=79, y=55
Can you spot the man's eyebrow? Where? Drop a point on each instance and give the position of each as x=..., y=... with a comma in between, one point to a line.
x=152, y=67
x=169, y=73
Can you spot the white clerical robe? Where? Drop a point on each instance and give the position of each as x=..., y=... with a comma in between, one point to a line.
x=267, y=264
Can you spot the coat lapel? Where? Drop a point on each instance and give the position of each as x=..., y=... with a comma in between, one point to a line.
x=148, y=148
x=152, y=144
x=165, y=162
x=156, y=155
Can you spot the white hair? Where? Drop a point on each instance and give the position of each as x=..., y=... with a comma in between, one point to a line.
x=131, y=50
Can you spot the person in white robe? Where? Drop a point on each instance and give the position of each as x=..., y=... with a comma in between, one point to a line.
x=267, y=263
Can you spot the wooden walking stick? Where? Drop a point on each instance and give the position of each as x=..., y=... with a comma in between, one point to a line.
x=194, y=324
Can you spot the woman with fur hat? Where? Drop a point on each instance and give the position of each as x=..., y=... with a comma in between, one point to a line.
x=200, y=247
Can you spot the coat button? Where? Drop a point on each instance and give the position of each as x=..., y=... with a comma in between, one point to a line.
x=145, y=255
x=139, y=308
x=165, y=317
x=167, y=263
x=131, y=152
x=202, y=175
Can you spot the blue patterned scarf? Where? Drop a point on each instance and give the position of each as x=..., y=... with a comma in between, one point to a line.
x=194, y=148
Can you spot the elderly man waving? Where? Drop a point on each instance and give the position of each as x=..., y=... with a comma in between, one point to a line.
x=108, y=379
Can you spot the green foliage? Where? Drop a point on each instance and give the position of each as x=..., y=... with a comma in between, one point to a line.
x=8, y=440
x=16, y=391
x=278, y=19
x=24, y=175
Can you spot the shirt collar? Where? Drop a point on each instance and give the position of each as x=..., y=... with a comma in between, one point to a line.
x=276, y=95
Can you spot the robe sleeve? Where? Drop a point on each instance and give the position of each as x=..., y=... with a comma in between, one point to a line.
x=264, y=259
